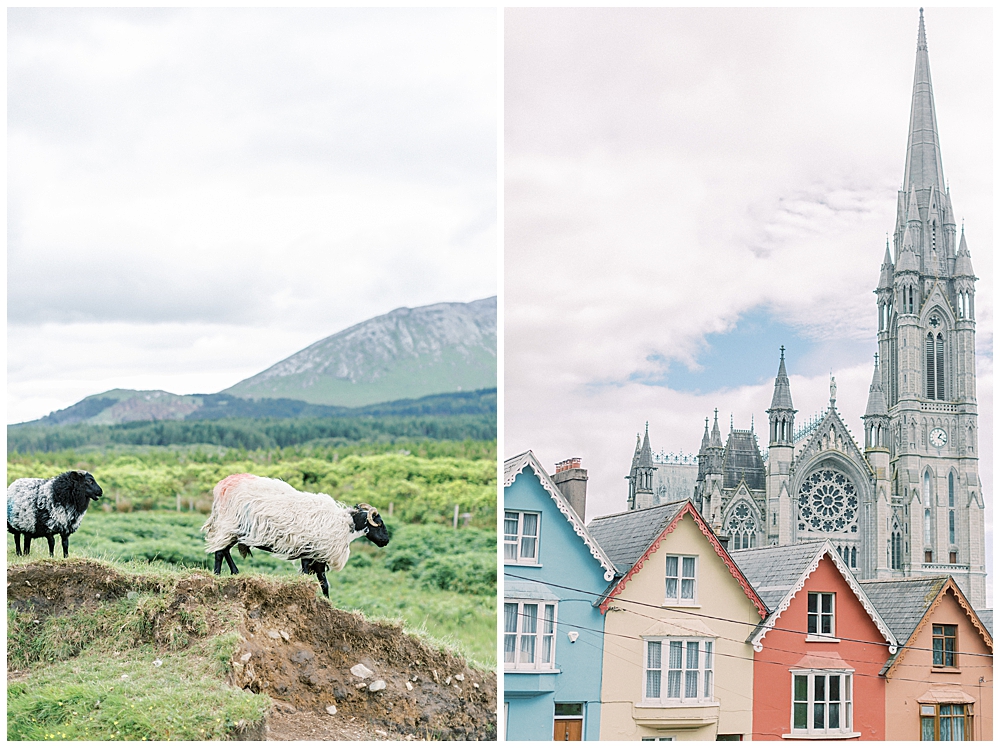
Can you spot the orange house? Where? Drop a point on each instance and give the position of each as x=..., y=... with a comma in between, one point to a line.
x=939, y=685
x=818, y=655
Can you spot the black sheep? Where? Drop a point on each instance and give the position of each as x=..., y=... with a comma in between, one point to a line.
x=39, y=508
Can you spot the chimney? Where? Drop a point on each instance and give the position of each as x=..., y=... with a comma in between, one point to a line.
x=571, y=480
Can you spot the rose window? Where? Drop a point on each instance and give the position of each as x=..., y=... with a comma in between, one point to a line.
x=828, y=503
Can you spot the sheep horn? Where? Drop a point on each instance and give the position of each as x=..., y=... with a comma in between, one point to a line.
x=372, y=514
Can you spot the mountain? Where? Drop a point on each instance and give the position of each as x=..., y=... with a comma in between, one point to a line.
x=127, y=406
x=407, y=353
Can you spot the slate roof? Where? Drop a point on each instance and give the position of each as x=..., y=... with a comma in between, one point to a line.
x=773, y=570
x=742, y=461
x=625, y=537
x=986, y=616
x=903, y=602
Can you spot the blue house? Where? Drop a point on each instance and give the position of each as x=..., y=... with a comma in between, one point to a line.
x=554, y=572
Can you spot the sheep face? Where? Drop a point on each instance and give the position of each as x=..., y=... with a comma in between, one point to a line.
x=369, y=521
x=90, y=488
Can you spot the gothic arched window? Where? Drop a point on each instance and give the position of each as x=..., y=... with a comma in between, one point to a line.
x=742, y=527
x=828, y=502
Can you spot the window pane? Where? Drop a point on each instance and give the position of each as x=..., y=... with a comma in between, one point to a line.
x=938, y=651
x=800, y=712
x=671, y=566
x=510, y=551
x=546, y=649
x=801, y=688
x=688, y=567
x=527, y=547
x=813, y=602
x=927, y=728
x=653, y=650
x=813, y=627
x=826, y=624
x=509, y=645
x=708, y=655
x=958, y=728
x=529, y=618
x=549, y=622
x=834, y=688
x=834, y=715
x=510, y=523
x=827, y=603
x=527, y=649
x=674, y=684
x=691, y=684
x=652, y=684
x=530, y=524
x=819, y=687
x=945, y=724
x=671, y=588
x=708, y=684
x=692, y=658
x=818, y=715
x=510, y=618
x=676, y=649
x=687, y=589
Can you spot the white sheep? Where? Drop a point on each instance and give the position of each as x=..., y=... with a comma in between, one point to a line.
x=249, y=511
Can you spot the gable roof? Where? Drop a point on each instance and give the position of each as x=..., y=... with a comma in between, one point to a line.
x=637, y=534
x=625, y=536
x=517, y=464
x=782, y=571
x=907, y=603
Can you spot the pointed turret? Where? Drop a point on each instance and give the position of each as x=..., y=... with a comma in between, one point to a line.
x=963, y=260
x=704, y=439
x=635, y=455
x=645, y=453
x=876, y=396
x=907, y=259
x=885, y=279
x=923, y=150
x=716, y=434
x=782, y=398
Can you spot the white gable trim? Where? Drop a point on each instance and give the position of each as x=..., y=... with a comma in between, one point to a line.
x=516, y=465
x=826, y=549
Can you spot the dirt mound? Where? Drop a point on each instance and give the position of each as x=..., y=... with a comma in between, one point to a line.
x=294, y=647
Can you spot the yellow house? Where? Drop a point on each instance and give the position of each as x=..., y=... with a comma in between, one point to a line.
x=676, y=662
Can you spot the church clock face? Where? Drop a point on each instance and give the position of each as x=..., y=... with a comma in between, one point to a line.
x=938, y=438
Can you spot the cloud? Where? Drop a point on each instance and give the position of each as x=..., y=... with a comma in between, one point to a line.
x=255, y=170
x=670, y=173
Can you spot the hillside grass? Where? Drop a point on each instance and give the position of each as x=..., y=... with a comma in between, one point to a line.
x=439, y=582
x=419, y=482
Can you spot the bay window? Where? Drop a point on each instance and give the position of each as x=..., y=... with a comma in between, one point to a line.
x=678, y=671
x=821, y=702
x=946, y=722
x=529, y=635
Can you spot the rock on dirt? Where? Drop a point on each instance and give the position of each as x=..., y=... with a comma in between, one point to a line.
x=308, y=675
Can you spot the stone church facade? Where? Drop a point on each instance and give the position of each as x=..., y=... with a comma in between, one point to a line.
x=908, y=502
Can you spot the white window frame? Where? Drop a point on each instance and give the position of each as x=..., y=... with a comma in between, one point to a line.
x=845, y=710
x=682, y=573
x=821, y=617
x=539, y=641
x=704, y=672
x=516, y=540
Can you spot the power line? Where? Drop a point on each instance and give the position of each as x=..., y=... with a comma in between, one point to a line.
x=730, y=620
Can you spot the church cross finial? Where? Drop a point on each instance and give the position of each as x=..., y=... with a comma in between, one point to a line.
x=782, y=352
x=876, y=359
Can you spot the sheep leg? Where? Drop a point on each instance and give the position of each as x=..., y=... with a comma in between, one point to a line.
x=52, y=545
x=65, y=545
x=27, y=545
x=321, y=576
x=229, y=560
x=17, y=543
x=224, y=554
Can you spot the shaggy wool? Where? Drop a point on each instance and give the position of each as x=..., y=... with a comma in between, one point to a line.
x=268, y=513
x=53, y=506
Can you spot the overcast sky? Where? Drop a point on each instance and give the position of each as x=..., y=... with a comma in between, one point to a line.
x=687, y=190
x=194, y=195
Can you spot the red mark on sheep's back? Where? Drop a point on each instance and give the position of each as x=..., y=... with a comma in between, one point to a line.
x=224, y=485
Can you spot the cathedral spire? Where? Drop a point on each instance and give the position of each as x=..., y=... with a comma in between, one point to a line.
x=645, y=454
x=923, y=151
